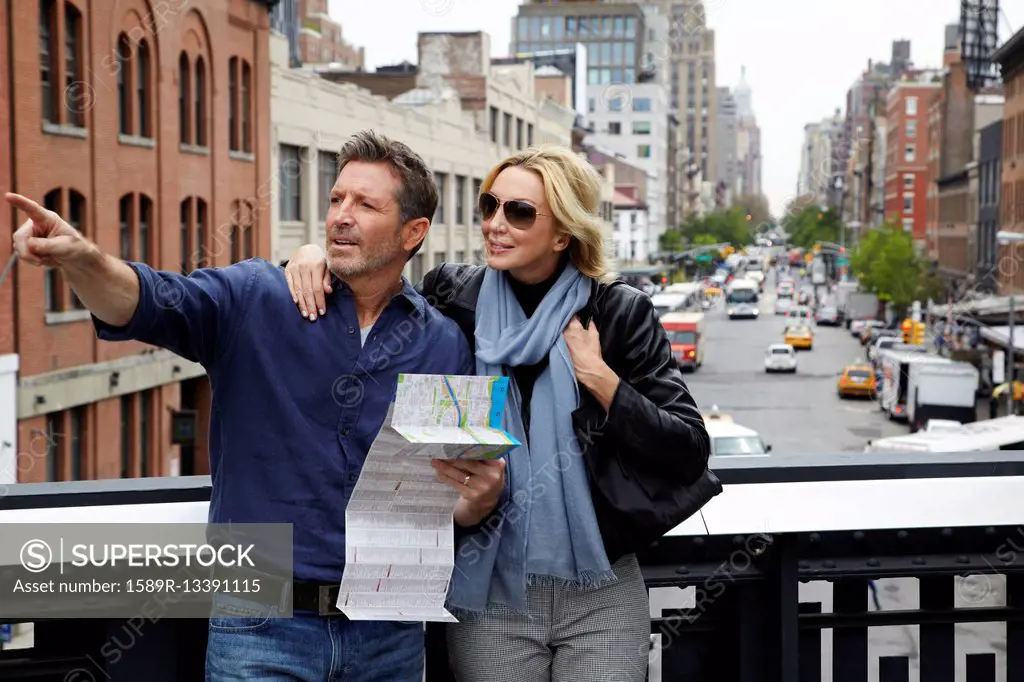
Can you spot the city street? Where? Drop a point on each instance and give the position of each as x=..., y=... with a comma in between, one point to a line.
x=801, y=414
x=796, y=414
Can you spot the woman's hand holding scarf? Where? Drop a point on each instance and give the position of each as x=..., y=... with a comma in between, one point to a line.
x=591, y=369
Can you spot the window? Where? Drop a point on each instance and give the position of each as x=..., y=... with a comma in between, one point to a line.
x=47, y=71
x=911, y=106
x=439, y=180
x=236, y=231
x=416, y=268
x=529, y=134
x=51, y=276
x=460, y=256
x=643, y=151
x=145, y=215
x=127, y=413
x=77, y=444
x=125, y=218
x=494, y=126
x=911, y=128
x=249, y=243
x=246, y=96
x=476, y=200
x=199, y=97
x=73, y=76
x=641, y=127
x=642, y=104
x=460, y=191
x=76, y=218
x=54, y=426
x=202, y=250
x=519, y=133
x=507, y=132
x=290, y=169
x=184, y=97
x=908, y=202
x=328, y=169
x=142, y=90
x=123, y=96
x=184, y=235
x=908, y=181
x=233, y=103
x=910, y=154
x=145, y=411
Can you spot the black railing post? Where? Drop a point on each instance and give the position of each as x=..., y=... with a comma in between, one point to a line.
x=768, y=614
x=938, y=653
x=1015, y=629
x=893, y=669
x=810, y=647
x=850, y=645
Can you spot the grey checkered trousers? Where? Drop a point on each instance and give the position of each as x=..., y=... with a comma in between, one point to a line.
x=598, y=634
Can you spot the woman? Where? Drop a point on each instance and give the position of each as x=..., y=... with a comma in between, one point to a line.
x=548, y=587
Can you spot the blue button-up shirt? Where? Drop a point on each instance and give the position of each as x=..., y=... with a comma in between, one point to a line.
x=296, y=405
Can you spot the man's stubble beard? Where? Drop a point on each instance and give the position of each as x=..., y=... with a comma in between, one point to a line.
x=369, y=261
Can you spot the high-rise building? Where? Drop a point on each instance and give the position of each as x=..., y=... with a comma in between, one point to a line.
x=909, y=151
x=690, y=53
x=820, y=158
x=727, y=182
x=154, y=143
x=748, y=139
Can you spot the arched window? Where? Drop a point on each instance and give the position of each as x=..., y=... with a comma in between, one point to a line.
x=123, y=95
x=201, y=250
x=185, y=235
x=236, y=231
x=53, y=300
x=246, y=96
x=73, y=61
x=249, y=249
x=184, y=99
x=125, y=218
x=199, y=95
x=47, y=72
x=145, y=216
x=142, y=89
x=76, y=218
x=233, y=104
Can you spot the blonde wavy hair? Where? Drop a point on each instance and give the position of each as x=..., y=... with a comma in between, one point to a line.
x=573, y=190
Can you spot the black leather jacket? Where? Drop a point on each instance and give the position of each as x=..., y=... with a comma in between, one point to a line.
x=653, y=422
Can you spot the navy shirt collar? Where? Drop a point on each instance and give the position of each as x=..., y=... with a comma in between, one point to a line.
x=408, y=293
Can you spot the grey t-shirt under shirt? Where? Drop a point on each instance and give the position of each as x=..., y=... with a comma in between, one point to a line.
x=364, y=332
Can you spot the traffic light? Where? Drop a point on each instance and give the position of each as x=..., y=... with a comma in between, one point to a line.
x=842, y=250
x=907, y=328
x=917, y=333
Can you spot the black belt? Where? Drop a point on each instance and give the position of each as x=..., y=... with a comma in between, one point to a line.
x=304, y=595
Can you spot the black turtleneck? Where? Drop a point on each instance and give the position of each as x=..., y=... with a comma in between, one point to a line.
x=529, y=297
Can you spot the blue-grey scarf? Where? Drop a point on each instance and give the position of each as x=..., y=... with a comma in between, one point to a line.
x=545, y=527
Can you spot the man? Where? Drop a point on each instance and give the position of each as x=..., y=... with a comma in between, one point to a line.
x=295, y=407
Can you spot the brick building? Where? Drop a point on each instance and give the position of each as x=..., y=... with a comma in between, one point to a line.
x=321, y=40
x=907, y=146
x=1010, y=58
x=152, y=137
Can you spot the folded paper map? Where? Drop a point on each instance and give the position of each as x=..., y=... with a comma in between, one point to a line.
x=399, y=533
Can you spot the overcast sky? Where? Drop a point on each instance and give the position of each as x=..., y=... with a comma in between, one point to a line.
x=801, y=56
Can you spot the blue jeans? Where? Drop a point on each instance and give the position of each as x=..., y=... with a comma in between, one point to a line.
x=245, y=643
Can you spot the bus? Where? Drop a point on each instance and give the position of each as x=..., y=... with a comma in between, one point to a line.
x=741, y=299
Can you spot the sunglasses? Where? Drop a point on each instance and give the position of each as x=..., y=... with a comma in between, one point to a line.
x=519, y=214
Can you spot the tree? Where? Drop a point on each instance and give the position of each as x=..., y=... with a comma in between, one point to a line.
x=670, y=240
x=811, y=225
x=724, y=225
x=887, y=264
x=755, y=206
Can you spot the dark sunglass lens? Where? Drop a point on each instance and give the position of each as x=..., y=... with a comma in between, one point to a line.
x=488, y=205
x=520, y=213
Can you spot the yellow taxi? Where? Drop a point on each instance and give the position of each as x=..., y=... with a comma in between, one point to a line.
x=857, y=380
x=799, y=336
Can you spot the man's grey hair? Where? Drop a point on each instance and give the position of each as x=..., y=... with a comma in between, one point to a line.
x=417, y=192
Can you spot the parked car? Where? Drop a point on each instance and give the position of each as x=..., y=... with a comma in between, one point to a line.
x=827, y=315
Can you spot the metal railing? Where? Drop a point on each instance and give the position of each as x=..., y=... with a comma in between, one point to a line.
x=777, y=573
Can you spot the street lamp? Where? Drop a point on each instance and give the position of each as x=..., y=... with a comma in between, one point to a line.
x=1004, y=238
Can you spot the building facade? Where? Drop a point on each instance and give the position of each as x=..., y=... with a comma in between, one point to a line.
x=321, y=40
x=152, y=138
x=462, y=115
x=727, y=182
x=820, y=157
x=990, y=144
x=907, y=176
x=8, y=341
x=1010, y=58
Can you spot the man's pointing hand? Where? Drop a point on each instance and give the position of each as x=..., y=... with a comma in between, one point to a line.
x=45, y=238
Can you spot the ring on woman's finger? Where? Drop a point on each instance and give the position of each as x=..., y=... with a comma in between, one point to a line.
x=465, y=481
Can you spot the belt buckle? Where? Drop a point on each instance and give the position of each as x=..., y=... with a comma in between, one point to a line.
x=327, y=598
